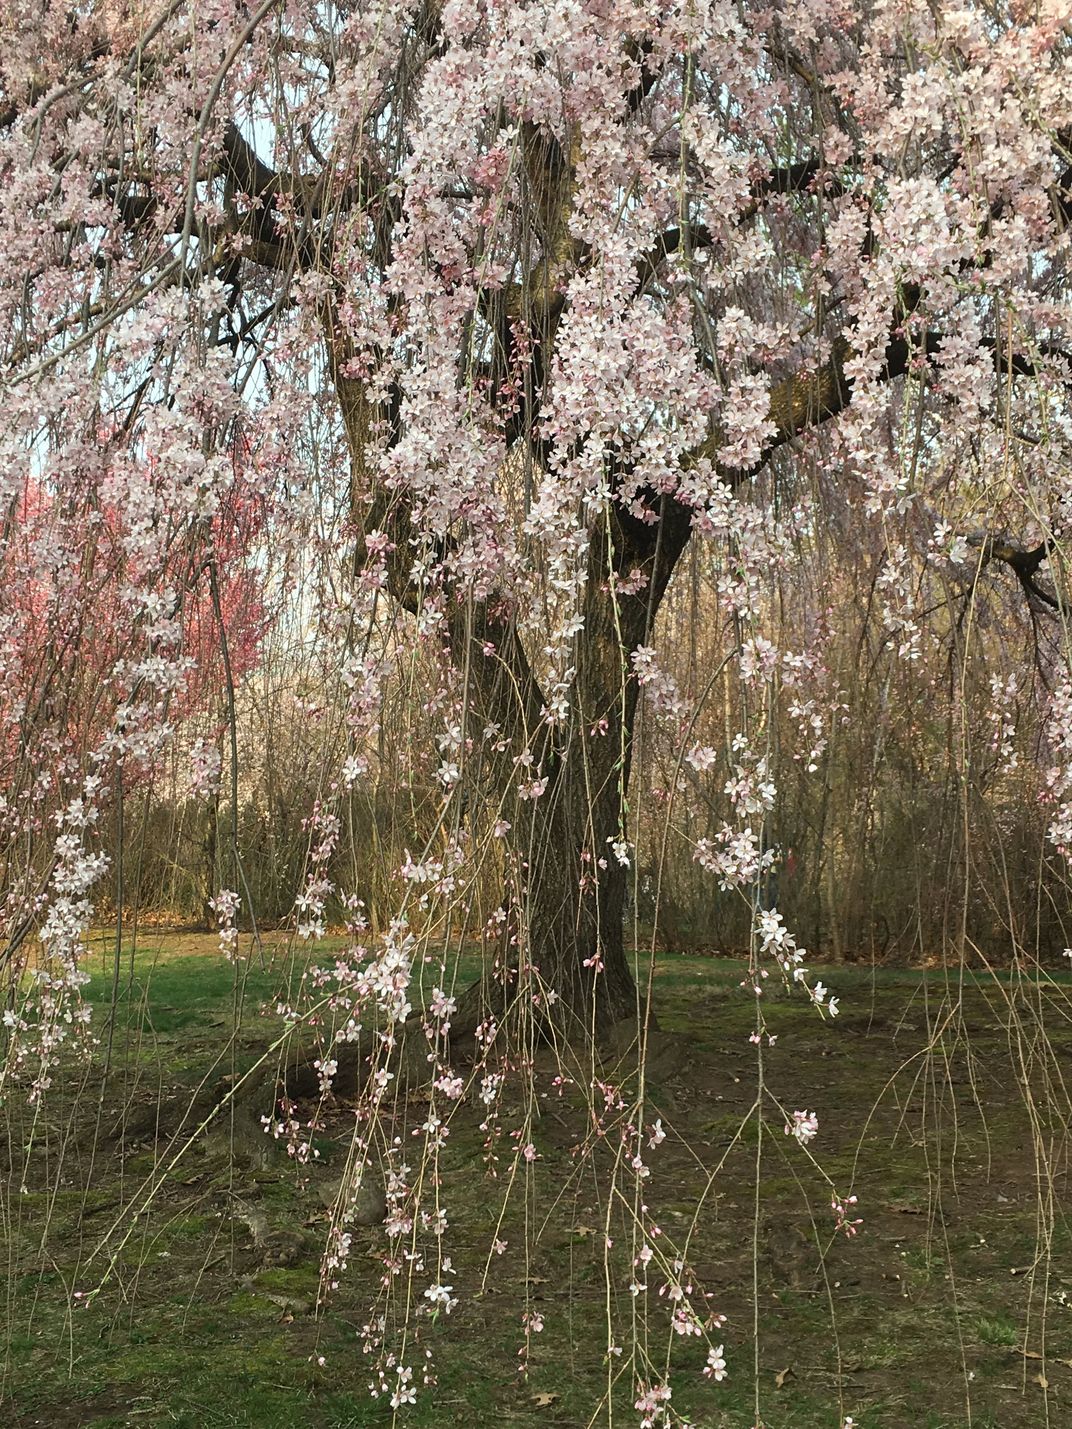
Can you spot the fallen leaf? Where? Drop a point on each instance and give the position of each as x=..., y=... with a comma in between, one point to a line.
x=782, y=1375
x=543, y=1399
x=1042, y=1381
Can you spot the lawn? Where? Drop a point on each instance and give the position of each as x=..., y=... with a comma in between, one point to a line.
x=157, y=1276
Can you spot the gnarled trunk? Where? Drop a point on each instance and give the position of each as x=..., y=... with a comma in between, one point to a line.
x=570, y=846
x=567, y=905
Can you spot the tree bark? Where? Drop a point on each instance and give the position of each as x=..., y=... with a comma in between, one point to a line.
x=564, y=962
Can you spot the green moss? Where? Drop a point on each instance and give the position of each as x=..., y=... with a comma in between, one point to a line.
x=300, y=1280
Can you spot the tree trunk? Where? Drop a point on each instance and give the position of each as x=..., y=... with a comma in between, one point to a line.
x=565, y=941
x=566, y=928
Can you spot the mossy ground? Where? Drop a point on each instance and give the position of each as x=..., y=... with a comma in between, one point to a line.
x=939, y=1106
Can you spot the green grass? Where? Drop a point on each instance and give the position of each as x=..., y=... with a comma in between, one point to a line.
x=996, y=1330
x=140, y=1300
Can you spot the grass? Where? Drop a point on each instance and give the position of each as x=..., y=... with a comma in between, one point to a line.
x=997, y=1330
x=138, y=1299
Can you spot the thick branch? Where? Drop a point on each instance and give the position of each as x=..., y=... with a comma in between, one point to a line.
x=1024, y=563
x=791, y=178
